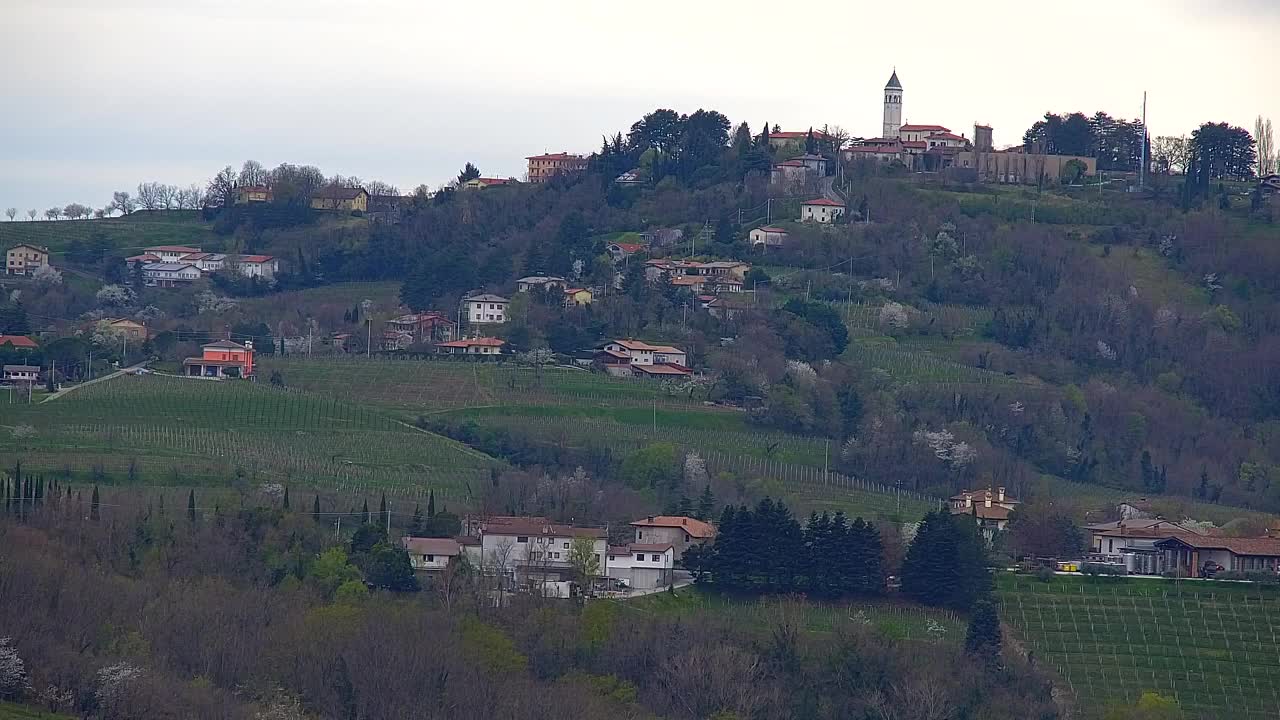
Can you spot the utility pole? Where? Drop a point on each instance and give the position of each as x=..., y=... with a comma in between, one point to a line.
x=826, y=454
x=368, y=342
x=90, y=362
x=310, y=331
x=388, y=519
x=1142, y=172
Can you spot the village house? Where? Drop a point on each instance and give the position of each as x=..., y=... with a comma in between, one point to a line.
x=882, y=153
x=622, y=251
x=254, y=194
x=724, y=308
x=662, y=237
x=642, y=566
x=640, y=359
x=135, y=331
x=486, y=309
x=18, y=342
x=21, y=374
x=991, y=508
x=1131, y=543
x=221, y=359
x=533, y=553
x=577, y=296
x=1204, y=555
x=169, y=253
x=525, y=284
x=789, y=174
x=544, y=167
x=768, y=236
x=472, y=346
x=431, y=554
x=815, y=164
x=396, y=340
x=25, y=259
x=205, y=262
x=642, y=353
x=169, y=274
x=821, y=210
x=340, y=199
x=257, y=266
x=482, y=183
x=699, y=284
x=678, y=531
x=425, y=327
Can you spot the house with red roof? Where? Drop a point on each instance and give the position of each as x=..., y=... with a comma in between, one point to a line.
x=636, y=358
x=546, y=166
x=221, y=359
x=990, y=508
x=168, y=253
x=821, y=210
x=1205, y=555
x=472, y=346
x=25, y=259
x=789, y=173
x=678, y=531
x=257, y=266
x=482, y=183
x=19, y=342
x=620, y=251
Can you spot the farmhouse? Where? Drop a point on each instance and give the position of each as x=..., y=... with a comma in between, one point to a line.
x=169, y=253
x=254, y=194
x=484, y=309
x=431, y=554
x=577, y=296
x=821, y=210
x=257, y=266
x=642, y=566
x=25, y=259
x=221, y=359
x=1202, y=556
x=534, y=553
x=1131, y=542
x=544, y=167
x=340, y=199
x=989, y=507
x=789, y=173
x=677, y=531
x=525, y=284
x=621, y=251
x=21, y=374
x=768, y=236
x=482, y=183
x=20, y=342
x=169, y=274
x=472, y=346
x=135, y=331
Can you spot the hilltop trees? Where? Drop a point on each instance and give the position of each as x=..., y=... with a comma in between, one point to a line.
x=1221, y=151
x=1116, y=143
x=946, y=563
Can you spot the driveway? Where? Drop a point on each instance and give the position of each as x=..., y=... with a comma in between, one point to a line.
x=108, y=376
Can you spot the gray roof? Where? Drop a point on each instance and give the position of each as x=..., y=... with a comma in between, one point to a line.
x=225, y=344
x=168, y=267
x=21, y=368
x=338, y=193
x=893, y=81
x=487, y=298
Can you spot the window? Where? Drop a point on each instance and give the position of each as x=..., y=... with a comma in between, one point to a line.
x=639, y=534
x=429, y=558
x=522, y=539
x=612, y=558
x=566, y=546
x=640, y=558
x=657, y=558
x=556, y=555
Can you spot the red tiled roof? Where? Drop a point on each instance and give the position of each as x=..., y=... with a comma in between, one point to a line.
x=822, y=201
x=473, y=342
x=695, y=528
x=556, y=156
x=980, y=510
x=924, y=128
x=539, y=526
x=145, y=257
x=945, y=136
x=789, y=163
x=1239, y=546
x=630, y=247
x=886, y=149
x=18, y=341
x=493, y=181
x=640, y=345
x=772, y=229
x=171, y=249
x=255, y=259
x=915, y=144
x=431, y=546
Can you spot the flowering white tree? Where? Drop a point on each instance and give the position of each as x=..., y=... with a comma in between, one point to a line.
x=945, y=447
x=116, y=295
x=112, y=680
x=801, y=372
x=894, y=315
x=46, y=275
x=13, y=672
x=1105, y=351
x=695, y=470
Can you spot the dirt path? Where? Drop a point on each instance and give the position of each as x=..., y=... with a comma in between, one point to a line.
x=108, y=376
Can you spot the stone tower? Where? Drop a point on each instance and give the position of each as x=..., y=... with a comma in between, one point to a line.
x=892, y=107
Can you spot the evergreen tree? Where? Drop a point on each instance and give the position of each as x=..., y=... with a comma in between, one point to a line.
x=946, y=563
x=706, y=503
x=382, y=509
x=365, y=512
x=415, y=526
x=810, y=146
x=685, y=507
x=191, y=505
x=389, y=568
x=93, y=504
x=315, y=508
x=983, y=639
x=431, y=503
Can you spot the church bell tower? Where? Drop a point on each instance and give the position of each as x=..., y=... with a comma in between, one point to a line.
x=892, y=107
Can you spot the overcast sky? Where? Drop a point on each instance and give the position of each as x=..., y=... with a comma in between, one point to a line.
x=101, y=94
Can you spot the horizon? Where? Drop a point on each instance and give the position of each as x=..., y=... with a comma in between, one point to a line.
x=408, y=94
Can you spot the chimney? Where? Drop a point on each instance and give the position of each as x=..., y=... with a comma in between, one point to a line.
x=1273, y=532
x=650, y=518
x=968, y=500
x=988, y=499
x=1001, y=491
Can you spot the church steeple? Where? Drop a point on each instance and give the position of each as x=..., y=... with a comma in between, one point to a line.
x=892, y=107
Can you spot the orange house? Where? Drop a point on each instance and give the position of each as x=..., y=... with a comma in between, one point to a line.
x=220, y=357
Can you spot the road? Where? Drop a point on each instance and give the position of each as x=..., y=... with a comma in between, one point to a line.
x=108, y=376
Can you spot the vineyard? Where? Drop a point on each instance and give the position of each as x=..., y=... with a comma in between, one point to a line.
x=162, y=430
x=1213, y=646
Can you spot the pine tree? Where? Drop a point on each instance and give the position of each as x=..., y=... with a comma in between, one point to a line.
x=946, y=562
x=93, y=504
x=286, y=499
x=415, y=526
x=685, y=508
x=382, y=509
x=365, y=511
x=431, y=503
x=191, y=505
x=706, y=503
x=984, y=639
x=315, y=508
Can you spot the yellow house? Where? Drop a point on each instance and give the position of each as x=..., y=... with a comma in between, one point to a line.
x=24, y=259
x=341, y=199
x=482, y=183
x=254, y=194
x=577, y=296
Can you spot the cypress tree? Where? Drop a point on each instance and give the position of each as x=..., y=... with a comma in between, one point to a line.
x=93, y=504
x=382, y=509
x=706, y=503
x=431, y=503
x=946, y=562
x=286, y=498
x=365, y=511
x=415, y=527
x=315, y=509
x=983, y=640
x=191, y=505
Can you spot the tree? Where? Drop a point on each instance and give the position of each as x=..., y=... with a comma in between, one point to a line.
x=389, y=568
x=651, y=467
x=53, y=213
x=584, y=560
x=365, y=538
x=1040, y=529
x=315, y=508
x=47, y=276
x=13, y=671
x=983, y=640
x=469, y=172
x=1266, y=147
x=252, y=174
x=946, y=564
x=224, y=188
x=31, y=214
x=191, y=505
x=415, y=525
x=123, y=203
x=706, y=503
x=285, y=503
x=1223, y=151
x=331, y=570
x=93, y=504
x=11, y=212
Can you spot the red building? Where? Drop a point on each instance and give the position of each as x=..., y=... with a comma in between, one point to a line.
x=221, y=359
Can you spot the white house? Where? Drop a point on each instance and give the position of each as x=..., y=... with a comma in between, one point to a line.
x=525, y=284
x=768, y=236
x=206, y=262
x=472, y=346
x=431, y=554
x=534, y=553
x=790, y=173
x=990, y=508
x=170, y=253
x=814, y=163
x=257, y=266
x=642, y=566
x=21, y=374
x=482, y=309
x=677, y=531
x=642, y=353
x=169, y=274
x=1132, y=542
x=820, y=210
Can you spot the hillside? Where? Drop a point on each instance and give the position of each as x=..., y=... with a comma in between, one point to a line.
x=132, y=232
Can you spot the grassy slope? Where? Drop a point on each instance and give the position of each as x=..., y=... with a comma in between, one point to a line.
x=142, y=229
x=575, y=407
x=182, y=431
x=1215, y=646
x=11, y=711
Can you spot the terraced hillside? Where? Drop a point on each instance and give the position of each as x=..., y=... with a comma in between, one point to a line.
x=141, y=229
x=165, y=430
x=1215, y=646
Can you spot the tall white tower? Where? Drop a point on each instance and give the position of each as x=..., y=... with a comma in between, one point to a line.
x=892, y=107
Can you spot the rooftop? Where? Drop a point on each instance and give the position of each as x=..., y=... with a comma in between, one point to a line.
x=823, y=201
x=487, y=297
x=431, y=546
x=334, y=192
x=18, y=341
x=1240, y=546
x=473, y=342
x=22, y=368
x=924, y=128
x=171, y=249
x=225, y=345
x=695, y=528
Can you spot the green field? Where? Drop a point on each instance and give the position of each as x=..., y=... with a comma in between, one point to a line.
x=1215, y=646
x=894, y=620
x=139, y=230
x=11, y=711
x=176, y=431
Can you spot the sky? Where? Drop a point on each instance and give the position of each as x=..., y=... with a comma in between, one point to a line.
x=99, y=95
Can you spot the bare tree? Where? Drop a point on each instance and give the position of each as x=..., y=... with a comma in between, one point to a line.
x=252, y=173
x=75, y=211
x=498, y=564
x=1266, y=147
x=53, y=213
x=377, y=187
x=123, y=202
x=223, y=187
x=149, y=195
x=31, y=214
x=100, y=213
x=168, y=196
x=1170, y=153
x=11, y=212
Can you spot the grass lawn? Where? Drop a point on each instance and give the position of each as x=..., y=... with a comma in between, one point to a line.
x=11, y=711
x=175, y=431
x=1215, y=646
x=142, y=229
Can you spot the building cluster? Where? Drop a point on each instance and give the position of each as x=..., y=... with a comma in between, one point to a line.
x=701, y=278
x=1155, y=546
x=536, y=555
x=177, y=265
x=635, y=358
